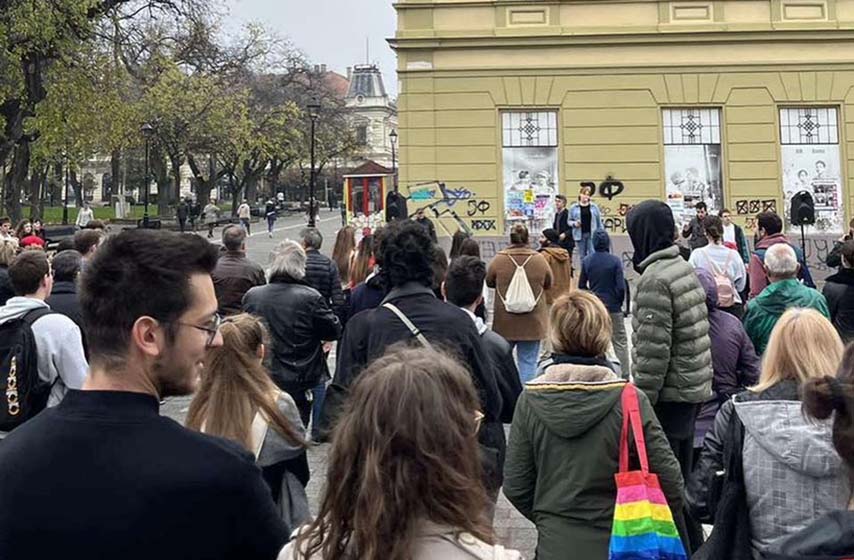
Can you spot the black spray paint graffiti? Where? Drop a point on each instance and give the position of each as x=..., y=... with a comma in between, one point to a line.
x=477, y=207
x=483, y=225
x=754, y=206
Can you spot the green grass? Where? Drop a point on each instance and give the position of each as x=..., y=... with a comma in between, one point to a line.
x=53, y=215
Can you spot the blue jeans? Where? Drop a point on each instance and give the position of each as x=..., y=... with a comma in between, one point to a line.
x=527, y=353
x=319, y=394
x=585, y=246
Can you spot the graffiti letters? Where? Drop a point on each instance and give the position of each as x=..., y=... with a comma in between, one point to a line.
x=755, y=206
x=624, y=209
x=477, y=207
x=610, y=187
x=614, y=224
x=483, y=225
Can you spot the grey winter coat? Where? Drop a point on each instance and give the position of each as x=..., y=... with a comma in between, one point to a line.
x=792, y=473
x=671, y=356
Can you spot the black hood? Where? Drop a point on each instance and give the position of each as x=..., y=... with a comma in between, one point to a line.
x=845, y=276
x=651, y=228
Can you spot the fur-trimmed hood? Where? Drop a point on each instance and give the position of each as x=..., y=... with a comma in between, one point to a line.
x=572, y=398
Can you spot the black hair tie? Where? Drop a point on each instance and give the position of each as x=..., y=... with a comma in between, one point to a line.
x=837, y=395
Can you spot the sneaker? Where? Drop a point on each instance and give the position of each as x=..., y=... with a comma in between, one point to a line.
x=270, y=234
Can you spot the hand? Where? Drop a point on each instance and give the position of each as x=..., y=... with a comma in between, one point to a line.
x=562, y=236
x=327, y=347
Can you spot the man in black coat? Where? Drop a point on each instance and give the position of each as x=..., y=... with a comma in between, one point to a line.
x=299, y=321
x=839, y=293
x=561, y=224
x=182, y=213
x=63, y=297
x=407, y=256
x=103, y=474
x=235, y=274
x=321, y=272
x=463, y=287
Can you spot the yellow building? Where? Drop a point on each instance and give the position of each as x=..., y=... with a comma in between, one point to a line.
x=740, y=103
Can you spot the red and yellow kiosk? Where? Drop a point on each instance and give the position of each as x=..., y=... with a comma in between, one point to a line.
x=365, y=189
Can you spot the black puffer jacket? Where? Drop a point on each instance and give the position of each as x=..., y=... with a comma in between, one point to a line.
x=6, y=290
x=839, y=292
x=321, y=273
x=299, y=321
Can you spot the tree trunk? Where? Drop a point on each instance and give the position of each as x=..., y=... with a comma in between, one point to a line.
x=77, y=187
x=16, y=179
x=117, y=186
x=37, y=180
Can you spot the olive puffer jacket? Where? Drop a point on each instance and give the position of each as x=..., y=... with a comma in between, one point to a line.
x=671, y=354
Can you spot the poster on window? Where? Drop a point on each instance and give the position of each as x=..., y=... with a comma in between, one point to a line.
x=530, y=185
x=815, y=169
x=693, y=174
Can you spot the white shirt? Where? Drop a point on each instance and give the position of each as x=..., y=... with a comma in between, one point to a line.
x=84, y=216
x=243, y=212
x=729, y=234
x=723, y=260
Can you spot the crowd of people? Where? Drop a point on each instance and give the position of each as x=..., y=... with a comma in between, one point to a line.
x=736, y=391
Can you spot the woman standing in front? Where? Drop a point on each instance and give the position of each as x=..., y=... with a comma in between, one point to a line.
x=404, y=473
x=564, y=442
x=584, y=218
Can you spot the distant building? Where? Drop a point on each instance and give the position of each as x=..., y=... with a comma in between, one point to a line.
x=374, y=113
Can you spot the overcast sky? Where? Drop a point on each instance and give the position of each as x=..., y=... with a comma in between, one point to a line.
x=331, y=32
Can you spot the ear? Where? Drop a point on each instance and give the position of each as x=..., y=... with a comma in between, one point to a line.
x=148, y=336
x=444, y=292
x=261, y=352
x=479, y=300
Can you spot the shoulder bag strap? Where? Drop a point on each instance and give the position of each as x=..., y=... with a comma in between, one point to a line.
x=412, y=328
x=632, y=420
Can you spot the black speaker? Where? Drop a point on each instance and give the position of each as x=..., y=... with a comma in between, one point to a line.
x=803, y=209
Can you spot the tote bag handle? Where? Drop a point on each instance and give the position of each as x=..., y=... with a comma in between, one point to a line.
x=632, y=421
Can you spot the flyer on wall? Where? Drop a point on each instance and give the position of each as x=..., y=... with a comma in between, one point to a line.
x=530, y=185
x=693, y=174
x=815, y=169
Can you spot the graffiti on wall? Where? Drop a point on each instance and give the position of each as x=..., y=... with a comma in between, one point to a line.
x=755, y=206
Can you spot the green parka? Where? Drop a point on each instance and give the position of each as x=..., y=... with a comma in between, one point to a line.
x=563, y=453
x=671, y=349
x=765, y=309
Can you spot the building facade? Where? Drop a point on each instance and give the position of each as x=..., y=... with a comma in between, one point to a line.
x=739, y=103
x=373, y=114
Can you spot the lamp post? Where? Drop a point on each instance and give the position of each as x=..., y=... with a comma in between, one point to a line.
x=147, y=131
x=65, y=198
x=313, y=113
x=393, y=137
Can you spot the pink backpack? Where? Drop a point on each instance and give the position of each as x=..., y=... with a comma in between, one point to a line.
x=726, y=289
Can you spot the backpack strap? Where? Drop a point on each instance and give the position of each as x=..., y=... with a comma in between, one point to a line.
x=416, y=332
x=34, y=315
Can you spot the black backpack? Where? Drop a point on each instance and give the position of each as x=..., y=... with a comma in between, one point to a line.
x=23, y=394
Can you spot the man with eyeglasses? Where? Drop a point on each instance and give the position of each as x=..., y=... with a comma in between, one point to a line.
x=103, y=475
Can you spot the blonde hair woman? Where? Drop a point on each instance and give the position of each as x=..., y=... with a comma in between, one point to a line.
x=565, y=437
x=8, y=248
x=792, y=474
x=238, y=401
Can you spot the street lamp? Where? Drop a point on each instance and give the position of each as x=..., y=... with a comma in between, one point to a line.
x=314, y=114
x=393, y=137
x=147, y=132
x=65, y=201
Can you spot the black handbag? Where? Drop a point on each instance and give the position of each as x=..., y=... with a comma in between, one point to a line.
x=730, y=538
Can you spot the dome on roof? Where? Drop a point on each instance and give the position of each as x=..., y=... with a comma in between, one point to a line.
x=366, y=81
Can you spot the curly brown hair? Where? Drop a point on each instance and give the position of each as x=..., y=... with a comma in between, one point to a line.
x=404, y=450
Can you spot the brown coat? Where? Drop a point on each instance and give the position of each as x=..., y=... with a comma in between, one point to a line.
x=527, y=326
x=558, y=259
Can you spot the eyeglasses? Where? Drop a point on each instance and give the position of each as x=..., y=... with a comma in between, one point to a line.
x=478, y=420
x=212, y=329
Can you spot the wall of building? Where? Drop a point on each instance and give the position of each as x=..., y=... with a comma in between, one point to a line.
x=609, y=69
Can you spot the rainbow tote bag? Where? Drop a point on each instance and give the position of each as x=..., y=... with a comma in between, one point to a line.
x=643, y=523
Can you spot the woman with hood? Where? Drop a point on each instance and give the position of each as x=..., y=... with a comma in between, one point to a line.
x=792, y=474
x=238, y=401
x=564, y=442
x=830, y=537
x=558, y=259
x=734, y=361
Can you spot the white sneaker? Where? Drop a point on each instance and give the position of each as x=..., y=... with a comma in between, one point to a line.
x=270, y=234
